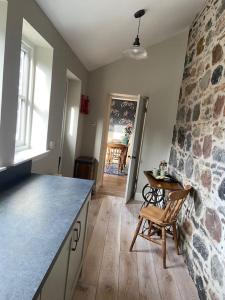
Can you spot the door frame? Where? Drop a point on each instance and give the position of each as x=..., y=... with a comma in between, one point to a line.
x=122, y=97
x=70, y=77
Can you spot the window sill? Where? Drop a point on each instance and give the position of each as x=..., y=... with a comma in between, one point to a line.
x=29, y=154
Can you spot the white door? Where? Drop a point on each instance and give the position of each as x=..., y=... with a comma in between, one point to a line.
x=136, y=151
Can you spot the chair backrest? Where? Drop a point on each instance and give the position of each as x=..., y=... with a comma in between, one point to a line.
x=174, y=204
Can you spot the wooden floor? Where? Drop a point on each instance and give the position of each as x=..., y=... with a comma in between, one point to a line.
x=114, y=185
x=111, y=272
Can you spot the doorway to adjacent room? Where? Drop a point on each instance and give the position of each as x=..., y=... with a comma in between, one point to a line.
x=122, y=146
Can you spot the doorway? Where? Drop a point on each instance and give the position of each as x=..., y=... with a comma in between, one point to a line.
x=122, y=144
x=70, y=124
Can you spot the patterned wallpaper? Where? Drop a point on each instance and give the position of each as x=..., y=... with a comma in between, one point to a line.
x=198, y=151
x=122, y=116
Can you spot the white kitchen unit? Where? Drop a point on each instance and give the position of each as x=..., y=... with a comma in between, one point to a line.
x=62, y=279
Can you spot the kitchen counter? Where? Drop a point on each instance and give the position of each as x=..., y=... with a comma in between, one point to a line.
x=36, y=215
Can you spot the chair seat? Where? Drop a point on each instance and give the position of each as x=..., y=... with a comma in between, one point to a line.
x=152, y=213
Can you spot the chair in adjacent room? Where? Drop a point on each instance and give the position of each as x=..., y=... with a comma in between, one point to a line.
x=162, y=219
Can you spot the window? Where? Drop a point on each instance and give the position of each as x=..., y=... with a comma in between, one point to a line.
x=24, y=111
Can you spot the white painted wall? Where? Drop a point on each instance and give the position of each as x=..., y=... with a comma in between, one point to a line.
x=158, y=77
x=69, y=151
x=3, y=17
x=63, y=59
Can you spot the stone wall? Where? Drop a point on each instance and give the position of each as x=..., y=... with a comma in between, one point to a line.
x=198, y=151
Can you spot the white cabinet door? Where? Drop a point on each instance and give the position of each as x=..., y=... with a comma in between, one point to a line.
x=55, y=285
x=76, y=252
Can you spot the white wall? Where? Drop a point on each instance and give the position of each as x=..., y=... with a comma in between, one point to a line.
x=63, y=59
x=3, y=17
x=158, y=77
x=70, y=151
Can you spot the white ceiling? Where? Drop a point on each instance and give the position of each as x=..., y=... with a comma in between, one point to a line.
x=99, y=30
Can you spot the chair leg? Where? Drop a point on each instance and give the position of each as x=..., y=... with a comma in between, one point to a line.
x=164, y=246
x=150, y=228
x=175, y=237
x=136, y=233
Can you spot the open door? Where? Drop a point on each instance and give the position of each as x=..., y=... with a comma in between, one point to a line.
x=136, y=151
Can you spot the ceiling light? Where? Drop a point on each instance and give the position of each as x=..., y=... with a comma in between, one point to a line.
x=137, y=51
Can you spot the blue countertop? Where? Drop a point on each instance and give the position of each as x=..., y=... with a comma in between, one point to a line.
x=36, y=216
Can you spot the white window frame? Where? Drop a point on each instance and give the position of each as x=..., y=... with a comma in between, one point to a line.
x=24, y=142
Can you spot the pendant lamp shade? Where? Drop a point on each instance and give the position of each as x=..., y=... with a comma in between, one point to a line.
x=137, y=51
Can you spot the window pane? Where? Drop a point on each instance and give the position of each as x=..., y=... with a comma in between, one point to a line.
x=22, y=54
x=23, y=103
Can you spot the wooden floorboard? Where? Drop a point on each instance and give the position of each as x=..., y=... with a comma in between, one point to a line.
x=108, y=278
x=113, y=185
x=111, y=272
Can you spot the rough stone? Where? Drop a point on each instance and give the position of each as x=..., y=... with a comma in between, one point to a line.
x=208, y=25
x=217, y=75
x=188, y=116
x=218, y=132
x=174, y=135
x=181, y=165
x=217, y=270
x=196, y=112
x=189, y=57
x=221, y=209
x=197, y=149
x=208, y=100
x=187, y=227
x=221, y=9
x=217, y=54
x=209, y=38
x=196, y=224
x=189, y=166
x=205, y=80
x=181, y=137
x=173, y=157
x=189, y=89
x=197, y=173
x=200, y=46
x=181, y=114
x=213, y=295
x=200, y=288
x=218, y=106
x=207, y=146
x=189, y=264
x=198, y=204
x=188, y=141
x=196, y=131
x=213, y=224
x=206, y=179
x=199, y=245
x=219, y=154
x=221, y=190
x=187, y=73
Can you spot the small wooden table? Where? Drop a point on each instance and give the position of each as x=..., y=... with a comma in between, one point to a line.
x=154, y=191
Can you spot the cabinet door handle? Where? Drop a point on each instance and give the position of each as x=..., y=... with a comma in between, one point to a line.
x=74, y=245
x=76, y=235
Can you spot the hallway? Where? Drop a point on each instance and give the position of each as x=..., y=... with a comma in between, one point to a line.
x=111, y=272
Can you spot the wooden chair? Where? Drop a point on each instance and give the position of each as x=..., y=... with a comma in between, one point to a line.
x=116, y=153
x=161, y=218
